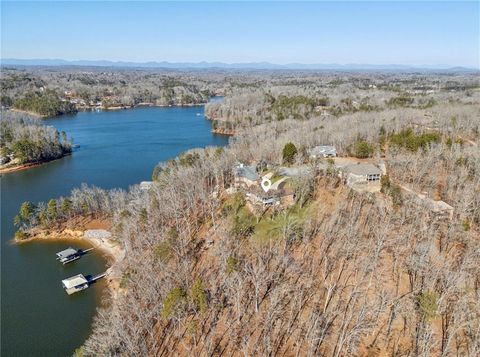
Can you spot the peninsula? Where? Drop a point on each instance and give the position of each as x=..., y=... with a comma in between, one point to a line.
x=25, y=142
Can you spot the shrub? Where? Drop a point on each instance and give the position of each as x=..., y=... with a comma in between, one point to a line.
x=391, y=189
x=157, y=170
x=289, y=152
x=79, y=352
x=400, y=101
x=233, y=204
x=173, y=233
x=385, y=183
x=363, y=149
x=396, y=194
x=409, y=140
x=143, y=216
x=43, y=218
x=25, y=214
x=243, y=223
x=199, y=297
x=188, y=159
x=192, y=327
x=427, y=304
x=232, y=264
x=6, y=101
x=175, y=303
x=287, y=225
x=66, y=207
x=52, y=209
x=163, y=250
x=125, y=279
x=19, y=235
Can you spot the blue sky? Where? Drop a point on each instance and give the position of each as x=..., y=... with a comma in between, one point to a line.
x=412, y=33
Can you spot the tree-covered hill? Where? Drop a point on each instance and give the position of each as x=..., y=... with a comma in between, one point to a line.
x=25, y=140
x=44, y=103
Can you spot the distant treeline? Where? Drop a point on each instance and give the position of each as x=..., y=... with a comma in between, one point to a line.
x=50, y=93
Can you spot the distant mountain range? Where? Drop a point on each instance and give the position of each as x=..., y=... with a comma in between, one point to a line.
x=239, y=66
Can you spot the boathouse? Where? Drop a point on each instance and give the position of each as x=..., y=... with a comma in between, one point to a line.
x=75, y=283
x=70, y=254
x=67, y=255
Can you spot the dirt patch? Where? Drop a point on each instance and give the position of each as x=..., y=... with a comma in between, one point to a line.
x=98, y=224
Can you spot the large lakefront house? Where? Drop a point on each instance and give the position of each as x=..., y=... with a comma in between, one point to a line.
x=245, y=175
x=248, y=181
x=361, y=174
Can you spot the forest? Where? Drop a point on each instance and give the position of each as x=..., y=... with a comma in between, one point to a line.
x=25, y=140
x=338, y=273
x=44, y=103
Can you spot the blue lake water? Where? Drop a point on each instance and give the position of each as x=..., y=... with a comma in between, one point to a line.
x=117, y=149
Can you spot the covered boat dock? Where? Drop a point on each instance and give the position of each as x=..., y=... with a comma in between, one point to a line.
x=70, y=254
x=75, y=283
x=80, y=282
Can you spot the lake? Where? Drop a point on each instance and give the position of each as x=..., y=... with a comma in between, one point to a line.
x=117, y=149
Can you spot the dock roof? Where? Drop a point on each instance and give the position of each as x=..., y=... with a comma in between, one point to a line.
x=66, y=253
x=74, y=281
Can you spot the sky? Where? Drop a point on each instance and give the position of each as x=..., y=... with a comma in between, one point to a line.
x=388, y=32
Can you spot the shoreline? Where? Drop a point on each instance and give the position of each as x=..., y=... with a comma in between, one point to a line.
x=111, y=249
x=224, y=132
x=27, y=112
x=15, y=168
x=37, y=115
x=140, y=105
x=113, y=108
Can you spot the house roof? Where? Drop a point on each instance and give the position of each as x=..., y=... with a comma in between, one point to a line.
x=74, y=281
x=294, y=171
x=362, y=169
x=248, y=172
x=146, y=185
x=322, y=149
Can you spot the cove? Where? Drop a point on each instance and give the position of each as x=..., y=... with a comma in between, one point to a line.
x=117, y=149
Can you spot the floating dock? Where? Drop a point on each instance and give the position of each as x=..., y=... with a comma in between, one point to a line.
x=69, y=255
x=80, y=282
